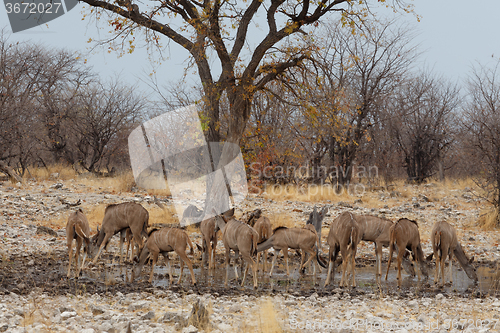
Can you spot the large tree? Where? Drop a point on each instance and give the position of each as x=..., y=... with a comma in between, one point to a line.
x=225, y=29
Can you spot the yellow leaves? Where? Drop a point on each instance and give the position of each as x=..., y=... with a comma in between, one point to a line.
x=131, y=46
x=90, y=40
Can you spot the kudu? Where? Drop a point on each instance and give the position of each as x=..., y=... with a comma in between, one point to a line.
x=191, y=214
x=78, y=228
x=445, y=243
x=241, y=238
x=405, y=235
x=344, y=236
x=251, y=217
x=377, y=230
x=262, y=225
x=117, y=218
x=316, y=220
x=209, y=239
x=162, y=241
x=283, y=238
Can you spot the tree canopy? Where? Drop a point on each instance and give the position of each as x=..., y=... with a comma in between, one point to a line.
x=224, y=29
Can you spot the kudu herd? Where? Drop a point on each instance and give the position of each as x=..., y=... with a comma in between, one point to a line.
x=253, y=234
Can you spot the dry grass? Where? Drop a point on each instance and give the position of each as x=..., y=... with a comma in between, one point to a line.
x=65, y=172
x=282, y=219
x=263, y=320
x=489, y=220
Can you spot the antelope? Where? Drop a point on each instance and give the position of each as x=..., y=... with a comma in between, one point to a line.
x=251, y=217
x=316, y=219
x=241, y=238
x=192, y=214
x=445, y=243
x=283, y=238
x=209, y=239
x=404, y=234
x=77, y=228
x=262, y=225
x=162, y=241
x=344, y=236
x=117, y=218
x=377, y=229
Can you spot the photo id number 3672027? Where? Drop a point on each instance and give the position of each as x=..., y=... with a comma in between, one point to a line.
x=33, y=8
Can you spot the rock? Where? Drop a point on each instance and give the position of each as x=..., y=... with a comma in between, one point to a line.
x=96, y=310
x=57, y=186
x=148, y=316
x=225, y=328
x=45, y=230
x=59, y=208
x=66, y=309
x=190, y=329
x=107, y=327
x=139, y=305
x=87, y=330
x=234, y=308
x=173, y=317
x=413, y=305
x=68, y=314
x=439, y=296
x=4, y=327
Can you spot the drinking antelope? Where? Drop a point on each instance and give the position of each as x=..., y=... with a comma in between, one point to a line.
x=117, y=218
x=166, y=240
x=445, y=243
x=344, y=236
x=77, y=228
x=241, y=238
x=405, y=235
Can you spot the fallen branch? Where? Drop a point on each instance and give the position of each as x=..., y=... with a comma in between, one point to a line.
x=9, y=172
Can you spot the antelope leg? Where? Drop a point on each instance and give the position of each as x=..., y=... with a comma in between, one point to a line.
x=70, y=253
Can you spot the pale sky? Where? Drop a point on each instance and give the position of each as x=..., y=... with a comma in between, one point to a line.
x=453, y=35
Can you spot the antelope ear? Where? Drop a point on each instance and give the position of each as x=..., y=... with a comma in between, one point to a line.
x=229, y=213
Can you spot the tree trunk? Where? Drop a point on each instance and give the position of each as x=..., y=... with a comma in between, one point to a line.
x=441, y=170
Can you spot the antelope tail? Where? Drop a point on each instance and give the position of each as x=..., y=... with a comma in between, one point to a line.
x=190, y=245
x=437, y=243
x=254, y=245
x=145, y=226
x=81, y=233
x=268, y=243
x=353, y=235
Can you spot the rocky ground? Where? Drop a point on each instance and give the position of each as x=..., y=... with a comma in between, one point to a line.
x=36, y=296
